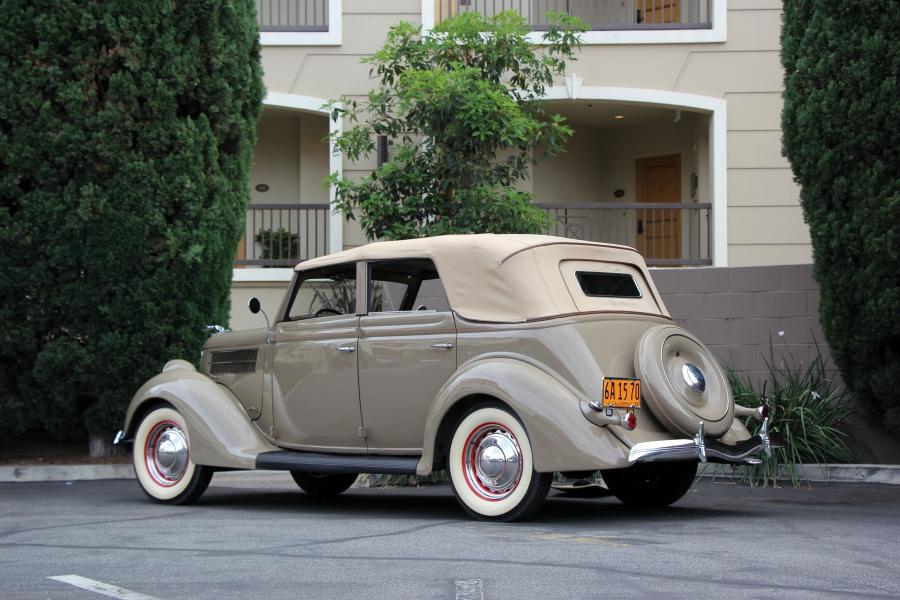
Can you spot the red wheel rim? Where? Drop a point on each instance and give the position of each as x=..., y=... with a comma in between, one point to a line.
x=166, y=453
x=492, y=462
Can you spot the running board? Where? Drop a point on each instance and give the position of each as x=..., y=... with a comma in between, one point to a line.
x=311, y=462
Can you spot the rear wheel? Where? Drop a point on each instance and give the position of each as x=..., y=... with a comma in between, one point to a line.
x=491, y=468
x=323, y=485
x=162, y=459
x=651, y=484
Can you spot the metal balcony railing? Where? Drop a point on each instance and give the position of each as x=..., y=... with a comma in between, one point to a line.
x=281, y=235
x=292, y=15
x=665, y=233
x=600, y=15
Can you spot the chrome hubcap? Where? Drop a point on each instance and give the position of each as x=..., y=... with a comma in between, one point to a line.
x=693, y=377
x=167, y=453
x=492, y=462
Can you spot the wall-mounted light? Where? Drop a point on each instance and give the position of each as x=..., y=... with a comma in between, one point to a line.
x=619, y=117
x=261, y=187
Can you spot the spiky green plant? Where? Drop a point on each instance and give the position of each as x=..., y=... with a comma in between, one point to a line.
x=807, y=410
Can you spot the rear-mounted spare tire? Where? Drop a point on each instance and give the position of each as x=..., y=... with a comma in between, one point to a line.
x=682, y=383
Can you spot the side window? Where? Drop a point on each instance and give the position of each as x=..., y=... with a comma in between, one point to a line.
x=324, y=292
x=403, y=285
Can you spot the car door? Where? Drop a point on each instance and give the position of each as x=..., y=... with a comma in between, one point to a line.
x=315, y=384
x=407, y=350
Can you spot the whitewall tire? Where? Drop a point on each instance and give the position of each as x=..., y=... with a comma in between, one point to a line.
x=162, y=459
x=491, y=466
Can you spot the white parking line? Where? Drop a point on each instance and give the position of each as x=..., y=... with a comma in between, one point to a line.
x=99, y=587
x=469, y=589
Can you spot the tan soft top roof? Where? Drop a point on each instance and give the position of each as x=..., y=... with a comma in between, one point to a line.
x=503, y=278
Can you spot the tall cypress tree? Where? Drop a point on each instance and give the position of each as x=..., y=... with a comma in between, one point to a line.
x=841, y=134
x=126, y=132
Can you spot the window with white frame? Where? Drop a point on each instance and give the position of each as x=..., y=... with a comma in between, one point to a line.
x=299, y=22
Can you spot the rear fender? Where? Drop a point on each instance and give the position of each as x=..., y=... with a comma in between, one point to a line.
x=219, y=430
x=562, y=439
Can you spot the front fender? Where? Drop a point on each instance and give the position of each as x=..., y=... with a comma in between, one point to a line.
x=562, y=439
x=220, y=432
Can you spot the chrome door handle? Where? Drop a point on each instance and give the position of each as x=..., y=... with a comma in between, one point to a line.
x=443, y=346
x=346, y=348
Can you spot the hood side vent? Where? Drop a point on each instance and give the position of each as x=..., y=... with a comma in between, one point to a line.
x=233, y=361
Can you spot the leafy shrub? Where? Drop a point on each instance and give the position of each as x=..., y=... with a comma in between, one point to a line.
x=126, y=132
x=278, y=243
x=464, y=111
x=806, y=408
x=840, y=117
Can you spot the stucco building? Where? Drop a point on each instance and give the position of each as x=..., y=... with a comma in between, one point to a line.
x=677, y=150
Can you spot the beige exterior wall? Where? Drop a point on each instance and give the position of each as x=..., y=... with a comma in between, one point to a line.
x=764, y=220
x=290, y=158
x=600, y=161
x=765, y=224
x=270, y=295
x=746, y=72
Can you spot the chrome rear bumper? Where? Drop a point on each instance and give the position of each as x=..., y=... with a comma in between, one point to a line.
x=706, y=449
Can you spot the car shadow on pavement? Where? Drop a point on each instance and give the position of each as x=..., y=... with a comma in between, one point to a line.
x=437, y=502
x=563, y=509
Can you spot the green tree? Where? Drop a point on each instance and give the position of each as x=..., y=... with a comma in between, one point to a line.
x=463, y=108
x=841, y=135
x=126, y=132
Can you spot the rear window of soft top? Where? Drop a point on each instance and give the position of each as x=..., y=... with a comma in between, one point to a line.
x=607, y=285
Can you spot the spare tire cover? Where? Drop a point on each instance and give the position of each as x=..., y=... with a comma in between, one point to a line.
x=682, y=383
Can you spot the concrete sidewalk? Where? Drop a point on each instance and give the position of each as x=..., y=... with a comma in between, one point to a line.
x=88, y=472
x=885, y=474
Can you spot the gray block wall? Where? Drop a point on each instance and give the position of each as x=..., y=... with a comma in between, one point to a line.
x=738, y=311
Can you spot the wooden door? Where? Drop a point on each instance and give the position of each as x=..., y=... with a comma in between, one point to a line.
x=659, y=11
x=659, y=228
x=444, y=9
x=241, y=252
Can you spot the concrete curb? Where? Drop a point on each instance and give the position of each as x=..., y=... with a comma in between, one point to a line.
x=885, y=474
x=33, y=473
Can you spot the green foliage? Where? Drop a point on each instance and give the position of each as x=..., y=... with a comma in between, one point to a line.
x=841, y=135
x=806, y=409
x=278, y=243
x=463, y=109
x=126, y=132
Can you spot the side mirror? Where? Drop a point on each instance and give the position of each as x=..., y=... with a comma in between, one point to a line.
x=255, y=307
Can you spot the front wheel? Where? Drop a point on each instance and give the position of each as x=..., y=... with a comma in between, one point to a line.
x=162, y=459
x=491, y=467
x=323, y=485
x=651, y=485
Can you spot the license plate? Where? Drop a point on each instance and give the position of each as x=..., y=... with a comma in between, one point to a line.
x=621, y=393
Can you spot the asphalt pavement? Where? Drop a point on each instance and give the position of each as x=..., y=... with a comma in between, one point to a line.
x=255, y=536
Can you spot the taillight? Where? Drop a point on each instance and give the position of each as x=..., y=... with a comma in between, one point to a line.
x=629, y=421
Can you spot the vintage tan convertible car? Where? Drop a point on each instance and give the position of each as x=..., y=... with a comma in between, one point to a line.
x=501, y=358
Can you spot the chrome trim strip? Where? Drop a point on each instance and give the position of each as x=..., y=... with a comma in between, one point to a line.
x=701, y=444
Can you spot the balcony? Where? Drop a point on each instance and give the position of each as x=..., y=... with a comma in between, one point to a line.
x=281, y=235
x=293, y=15
x=665, y=233
x=600, y=15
